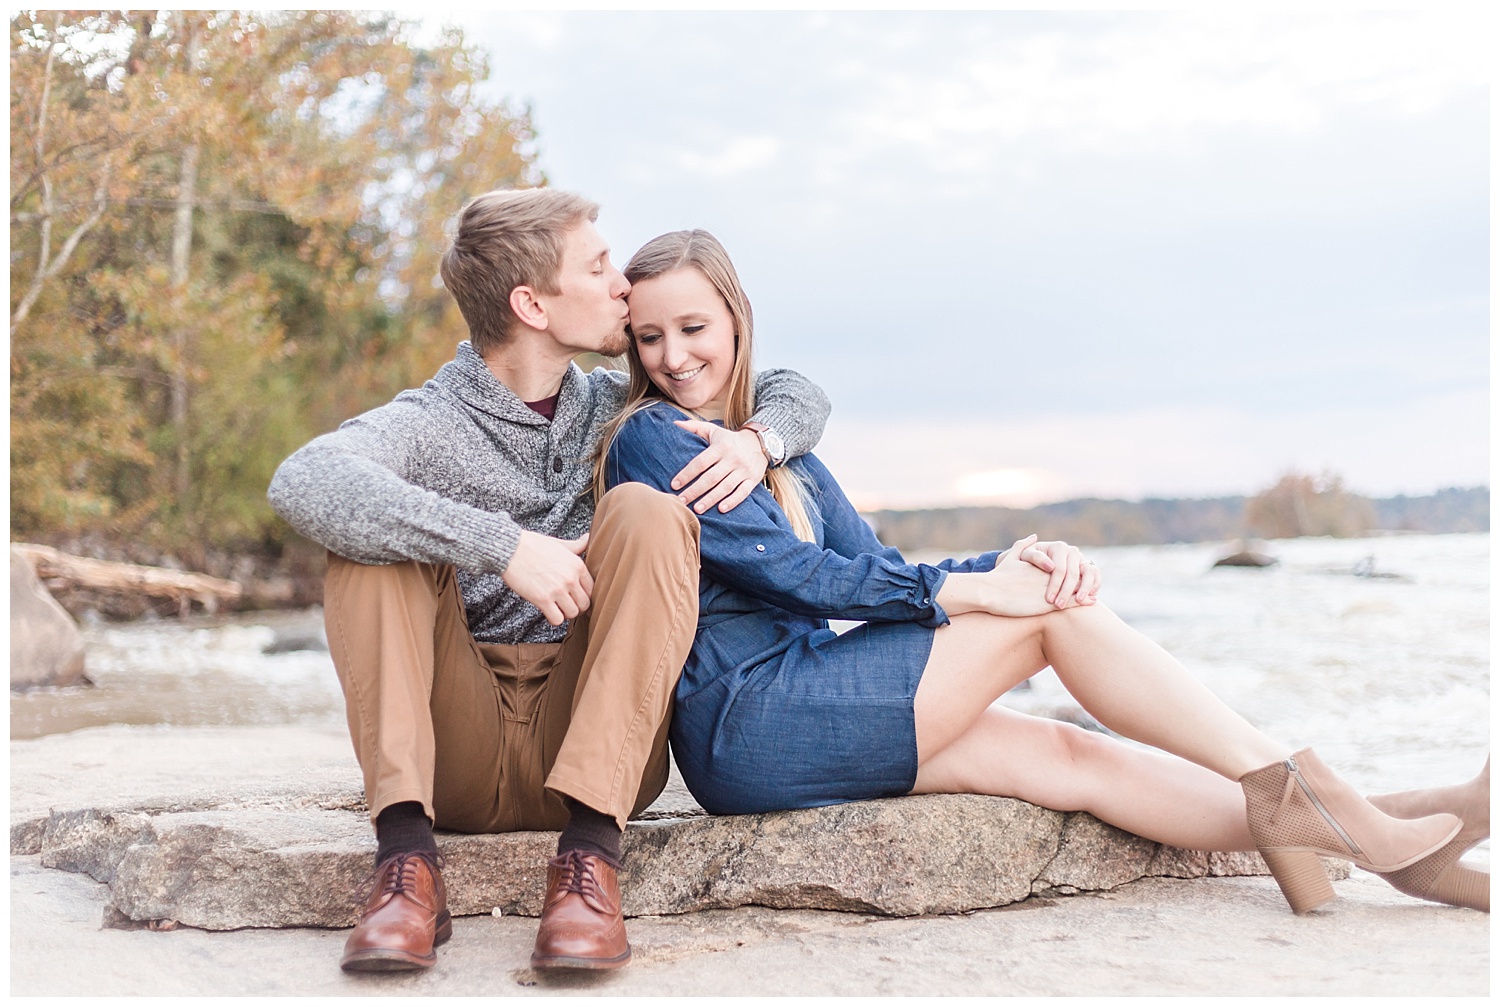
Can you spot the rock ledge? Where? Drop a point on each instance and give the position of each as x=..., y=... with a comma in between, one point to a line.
x=300, y=860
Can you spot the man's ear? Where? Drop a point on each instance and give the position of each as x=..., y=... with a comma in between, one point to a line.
x=524, y=303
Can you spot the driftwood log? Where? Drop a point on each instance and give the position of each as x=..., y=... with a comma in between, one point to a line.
x=60, y=570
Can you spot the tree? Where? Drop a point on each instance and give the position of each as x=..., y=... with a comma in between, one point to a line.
x=1301, y=504
x=225, y=229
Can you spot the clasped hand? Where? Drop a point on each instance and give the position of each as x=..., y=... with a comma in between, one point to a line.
x=1072, y=580
x=550, y=572
x=1031, y=578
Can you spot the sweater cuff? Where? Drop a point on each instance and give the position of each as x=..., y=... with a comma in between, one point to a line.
x=789, y=426
x=483, y=542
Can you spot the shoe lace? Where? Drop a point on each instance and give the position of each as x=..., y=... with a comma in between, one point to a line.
x=397, y=874
x=577, y=875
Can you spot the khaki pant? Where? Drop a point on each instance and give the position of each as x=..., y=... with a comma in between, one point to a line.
x=487, y=736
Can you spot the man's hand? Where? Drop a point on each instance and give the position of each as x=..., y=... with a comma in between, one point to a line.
x=724, y=473
x=1073, y=580
x=549, y=573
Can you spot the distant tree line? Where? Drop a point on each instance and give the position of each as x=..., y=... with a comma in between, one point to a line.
x=225, y=229
x=1296, y=505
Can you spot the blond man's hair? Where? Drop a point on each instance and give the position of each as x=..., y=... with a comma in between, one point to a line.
x=502, y=240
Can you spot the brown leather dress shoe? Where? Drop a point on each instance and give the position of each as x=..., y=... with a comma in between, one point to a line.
x=582, y=926
x=406, y=916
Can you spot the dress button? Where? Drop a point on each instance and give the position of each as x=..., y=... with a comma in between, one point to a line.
x=557, y=465
x=760, y=548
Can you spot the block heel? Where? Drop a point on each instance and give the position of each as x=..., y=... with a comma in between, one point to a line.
x=1440, y=877
x=1463, y=886
x=1298, y=809
x=1301, y=877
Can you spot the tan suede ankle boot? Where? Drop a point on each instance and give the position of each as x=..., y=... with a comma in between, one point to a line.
x=1440, y=877
x=1298, y=809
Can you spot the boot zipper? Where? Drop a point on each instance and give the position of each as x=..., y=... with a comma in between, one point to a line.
x=1291, y=765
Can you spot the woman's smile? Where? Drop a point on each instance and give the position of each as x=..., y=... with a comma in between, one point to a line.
x=685, y=376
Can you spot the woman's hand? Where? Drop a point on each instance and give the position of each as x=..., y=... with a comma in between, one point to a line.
x=1073, y=580
x=1015, y=587
x=1032, y=578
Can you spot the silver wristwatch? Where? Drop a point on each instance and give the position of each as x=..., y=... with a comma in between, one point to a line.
x=771, y=443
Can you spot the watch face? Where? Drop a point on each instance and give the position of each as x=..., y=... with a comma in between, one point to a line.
x=774, y=445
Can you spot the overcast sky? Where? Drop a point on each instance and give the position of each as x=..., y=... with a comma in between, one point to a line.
x=1039, y=255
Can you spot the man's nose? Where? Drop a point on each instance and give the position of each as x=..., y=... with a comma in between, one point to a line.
x=621, y=285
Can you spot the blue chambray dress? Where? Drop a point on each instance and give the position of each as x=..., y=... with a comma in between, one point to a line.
x=774, y=710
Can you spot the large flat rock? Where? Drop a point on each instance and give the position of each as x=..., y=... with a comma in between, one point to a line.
x=224, y=828
x=291, y=865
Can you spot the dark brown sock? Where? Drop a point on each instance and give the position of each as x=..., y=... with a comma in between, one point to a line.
x=403, y=828
x=590, y=831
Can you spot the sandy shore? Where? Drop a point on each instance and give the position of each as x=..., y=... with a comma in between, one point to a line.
x=1228, y=936
x=1224, y=937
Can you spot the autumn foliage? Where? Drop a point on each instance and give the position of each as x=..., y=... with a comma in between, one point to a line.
x=1302, y=504
x=225, y=229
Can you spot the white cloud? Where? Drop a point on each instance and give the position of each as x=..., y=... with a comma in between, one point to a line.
x=736, y=156
x=847, y=100
x=1297, y=203
x=1148, y=83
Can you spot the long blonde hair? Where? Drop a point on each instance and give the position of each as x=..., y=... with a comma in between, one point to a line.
x=702, y=251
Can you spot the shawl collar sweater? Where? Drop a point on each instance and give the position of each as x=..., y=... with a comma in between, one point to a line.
x=454, y=471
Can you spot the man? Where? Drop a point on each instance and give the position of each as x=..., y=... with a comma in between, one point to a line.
x=508, y=654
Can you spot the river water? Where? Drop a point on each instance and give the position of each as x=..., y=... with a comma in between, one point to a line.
x=1387, y=676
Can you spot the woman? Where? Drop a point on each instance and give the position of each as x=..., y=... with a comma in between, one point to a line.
x=775, y=711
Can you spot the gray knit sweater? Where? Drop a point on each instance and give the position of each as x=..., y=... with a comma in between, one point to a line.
x=453, y=471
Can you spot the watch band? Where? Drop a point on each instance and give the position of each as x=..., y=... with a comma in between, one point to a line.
x=771, y=444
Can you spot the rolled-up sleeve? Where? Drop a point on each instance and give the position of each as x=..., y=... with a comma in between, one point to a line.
x=754, y=550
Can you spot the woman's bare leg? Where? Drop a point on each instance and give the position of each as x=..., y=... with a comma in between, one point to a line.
x=1124, y=680
x=1059, y=766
